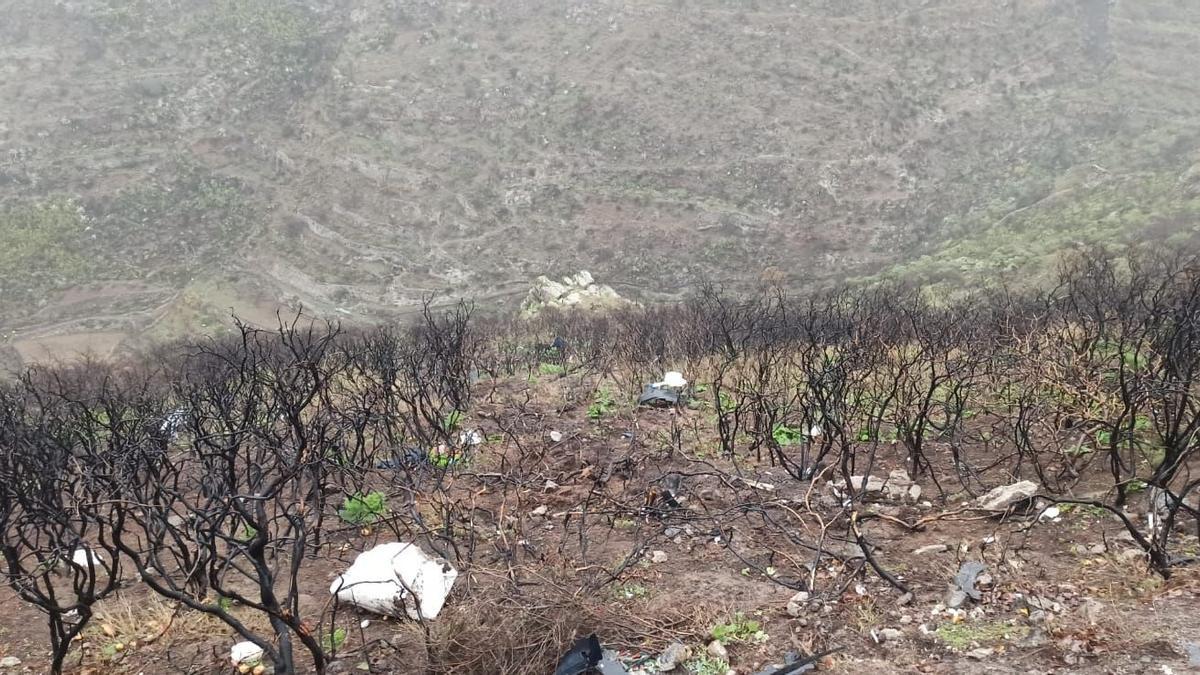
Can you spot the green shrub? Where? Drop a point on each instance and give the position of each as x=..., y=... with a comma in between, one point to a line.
x=360, y=509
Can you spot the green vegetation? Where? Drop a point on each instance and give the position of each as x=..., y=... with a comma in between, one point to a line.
x=360, y=509
x=43, y=246
x=602, y=404
x=739, y=629
x=963, y=636
x=334, y=641
x=706, y=664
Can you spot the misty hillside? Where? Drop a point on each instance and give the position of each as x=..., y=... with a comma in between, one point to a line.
x=165, y=161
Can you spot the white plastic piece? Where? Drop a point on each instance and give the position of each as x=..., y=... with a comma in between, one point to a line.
x=673, y=380
x=245, y=652
x=82, y=556
x=382, y=579
x=467, y=438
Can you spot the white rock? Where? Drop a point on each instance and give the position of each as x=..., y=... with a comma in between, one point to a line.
x=10, y=662
x=1006, y=495
x=381, y=580
x=556, y=436
x=932, y=548
x=245, y=652
x=658, y=557
x=540, y=511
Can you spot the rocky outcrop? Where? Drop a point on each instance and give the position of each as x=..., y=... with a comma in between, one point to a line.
x=580, y=290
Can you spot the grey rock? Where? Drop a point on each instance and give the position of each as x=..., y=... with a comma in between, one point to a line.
x=717, y=650
x=796, y=605
x=891, y=634
x=674, y=655
x=1005, y=496
x=658, y=557
x=671, y=532
x=980, y=654
x=967, y=576
x=903, y=600
x=1193, y=654
x=956, y=599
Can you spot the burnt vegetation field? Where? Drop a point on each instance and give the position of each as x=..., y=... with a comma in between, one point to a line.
x=1004, y=483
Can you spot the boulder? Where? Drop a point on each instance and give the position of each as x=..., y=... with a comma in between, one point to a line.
x=382, y=579
x=1005, y=496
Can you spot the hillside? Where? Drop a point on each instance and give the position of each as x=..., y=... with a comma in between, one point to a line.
x=165, y=162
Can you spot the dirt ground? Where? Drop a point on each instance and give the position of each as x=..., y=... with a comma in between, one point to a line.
x=572, y=537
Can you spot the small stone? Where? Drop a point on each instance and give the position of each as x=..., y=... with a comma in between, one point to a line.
x=551, y=485
x=556, y=436
x=980, y=654
x=674, y=655
x=718, y=651
x=1005, y=496
x=906, y=619
x=914, y=493
x=365, y=623
x=671, y=532
x=796, y=606
x=932, y=548
x=658, y=557
x=10, y=662
x=891, y=634
x=984, y=581
x=539, y=511
x=904, y=599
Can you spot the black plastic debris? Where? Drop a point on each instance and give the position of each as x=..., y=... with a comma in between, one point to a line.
x=658, y=397
x=587, y=656
x=409, y=458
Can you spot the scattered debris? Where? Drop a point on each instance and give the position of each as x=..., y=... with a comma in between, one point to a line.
x=1050, y=514
x=672, y=380
x=382, y=578
x=587, y=656
x=765, y=487
x=1007, y=496
x=245, y=654
x=659, y=397
x=83, y=556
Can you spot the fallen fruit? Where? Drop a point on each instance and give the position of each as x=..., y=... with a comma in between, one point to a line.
x=259, y=669
x=243, y=669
